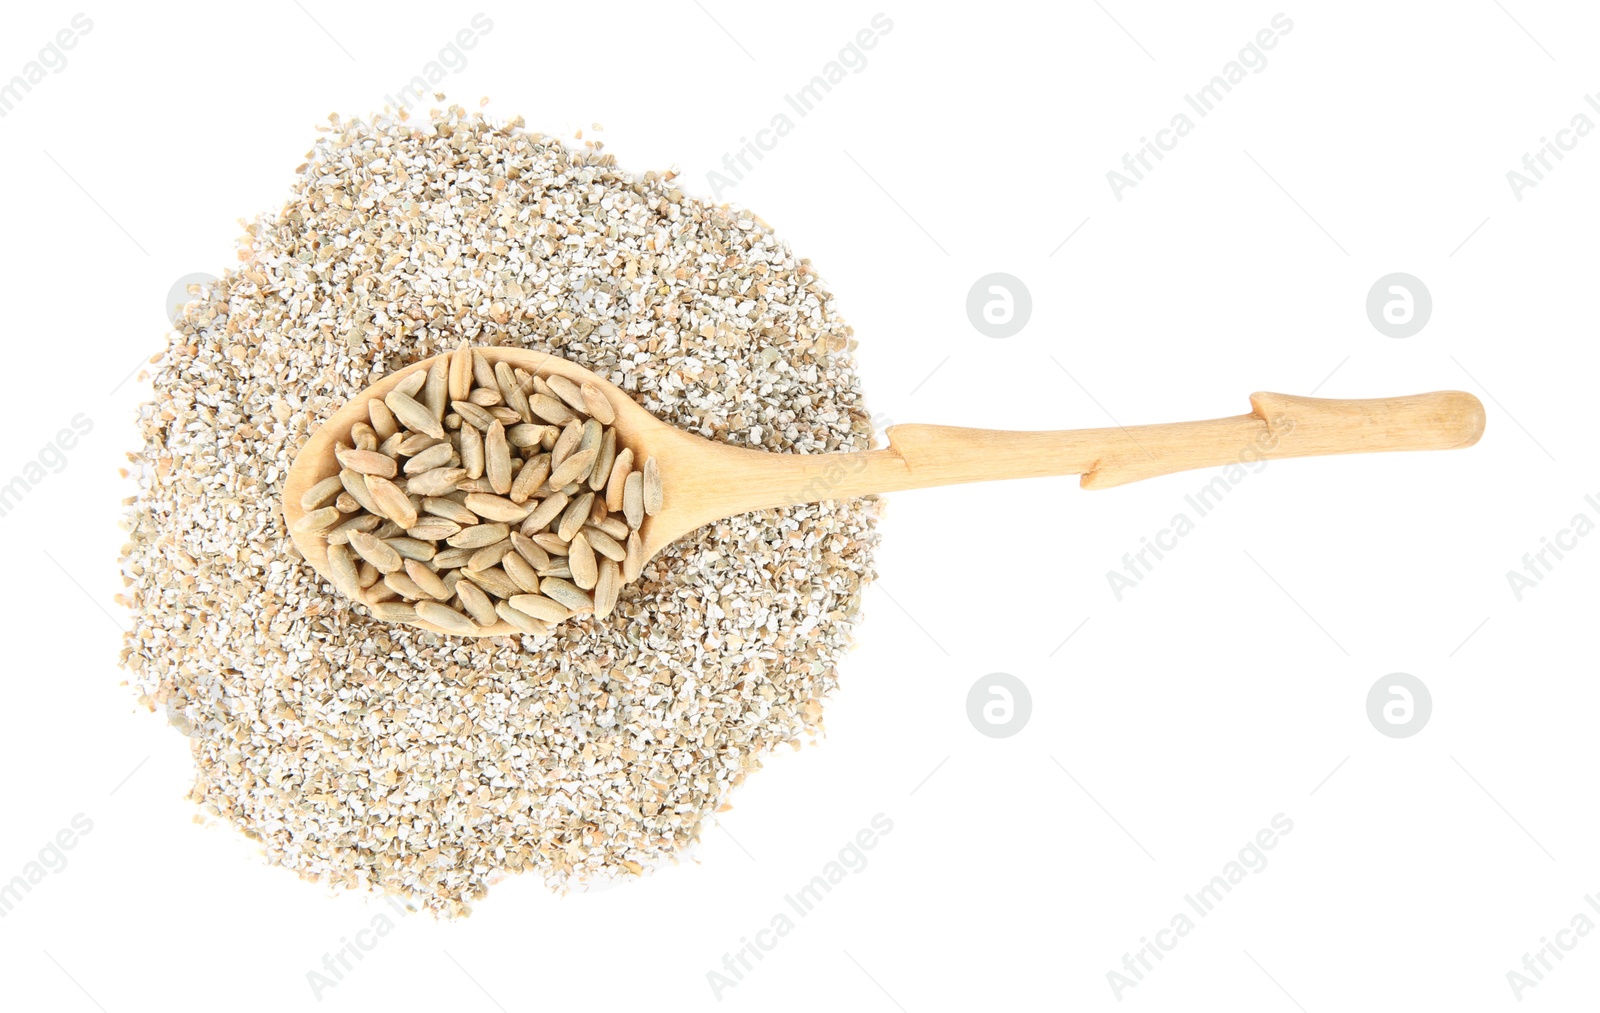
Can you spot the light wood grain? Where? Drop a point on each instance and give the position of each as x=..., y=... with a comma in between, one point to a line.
x=704, y=481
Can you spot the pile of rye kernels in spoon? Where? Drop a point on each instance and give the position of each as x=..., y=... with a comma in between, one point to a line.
x=365, y=754
x=427, y=491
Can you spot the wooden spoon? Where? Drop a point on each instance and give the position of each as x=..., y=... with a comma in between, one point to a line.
x=704, y=481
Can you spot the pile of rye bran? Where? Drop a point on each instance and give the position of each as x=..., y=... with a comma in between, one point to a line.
x=366, y=754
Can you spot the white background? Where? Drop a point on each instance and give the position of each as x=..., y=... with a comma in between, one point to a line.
x=1228, y=687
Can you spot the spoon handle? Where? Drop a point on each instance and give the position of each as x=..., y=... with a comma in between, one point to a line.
x=1280, y=425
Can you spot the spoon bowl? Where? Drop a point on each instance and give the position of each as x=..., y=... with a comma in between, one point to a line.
x=636, y=429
